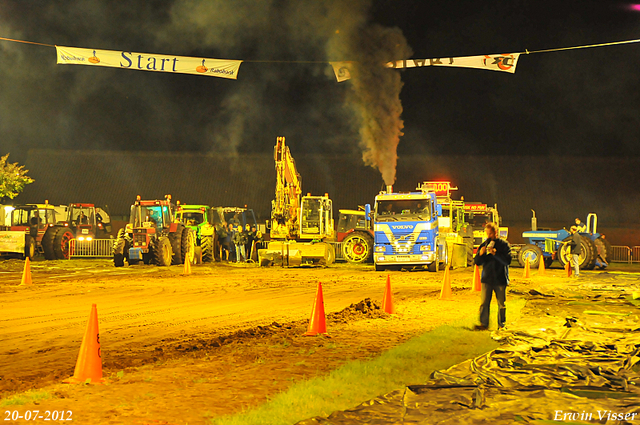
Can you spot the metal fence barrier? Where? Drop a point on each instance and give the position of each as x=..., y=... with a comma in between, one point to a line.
x=635, y=254
x=622, y=254
x=94, y=248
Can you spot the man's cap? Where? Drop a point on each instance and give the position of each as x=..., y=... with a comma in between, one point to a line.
x=574, y=228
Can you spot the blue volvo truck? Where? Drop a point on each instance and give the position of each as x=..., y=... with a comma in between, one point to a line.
x=406, y=231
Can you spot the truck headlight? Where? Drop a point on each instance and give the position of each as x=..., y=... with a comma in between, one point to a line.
x=425, y=247
x=379, y=248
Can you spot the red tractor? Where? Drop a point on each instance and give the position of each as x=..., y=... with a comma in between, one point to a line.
x=87, y=222
x=356, y=234
x=153, y=236
x=42, y=232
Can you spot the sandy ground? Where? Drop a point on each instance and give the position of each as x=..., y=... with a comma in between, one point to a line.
x=179, y=349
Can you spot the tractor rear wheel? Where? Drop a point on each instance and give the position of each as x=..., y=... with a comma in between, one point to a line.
x=532, y=253
x=162, y=252
x=61, y=244
x=587, y=257
x=358, y=248
x=29, y=247
x=206, y=243
x=175, y=239
x=120, y=249
x=47, y=243
x=603, y=250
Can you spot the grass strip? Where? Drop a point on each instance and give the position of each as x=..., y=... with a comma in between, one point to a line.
x=358, y=381
x=24, y=398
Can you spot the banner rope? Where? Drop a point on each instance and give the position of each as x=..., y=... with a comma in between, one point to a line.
x=526, y=51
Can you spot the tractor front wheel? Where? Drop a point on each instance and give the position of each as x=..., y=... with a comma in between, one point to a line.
x=120, y=249
x=206, y=243
x=29, y=248
x=47, y=243
x=531, y=253
x=175, y=240
x=162, y=252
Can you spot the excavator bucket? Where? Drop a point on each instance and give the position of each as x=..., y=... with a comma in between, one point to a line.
x=295, y=254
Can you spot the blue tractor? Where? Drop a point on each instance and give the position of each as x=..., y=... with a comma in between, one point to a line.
x=549, y=245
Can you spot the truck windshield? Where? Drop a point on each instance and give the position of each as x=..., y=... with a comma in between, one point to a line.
x=477, y=220
x=403, y=209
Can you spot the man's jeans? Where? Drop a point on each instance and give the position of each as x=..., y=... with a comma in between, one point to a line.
x=501, y=298
x=575, y=259
x=240, y=256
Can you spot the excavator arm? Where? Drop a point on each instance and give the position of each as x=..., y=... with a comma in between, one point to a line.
x=286, y=205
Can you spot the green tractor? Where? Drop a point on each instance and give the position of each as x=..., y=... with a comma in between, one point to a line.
x=200, y=218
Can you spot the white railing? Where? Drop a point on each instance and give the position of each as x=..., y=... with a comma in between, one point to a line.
x=94, y=248
x=621, y=254
x=635, y=254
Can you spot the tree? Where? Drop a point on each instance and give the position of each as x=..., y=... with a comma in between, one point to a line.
x=13, y=178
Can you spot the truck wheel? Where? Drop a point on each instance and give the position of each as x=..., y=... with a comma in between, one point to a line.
x=206, y=243
x=61, y=244
x=531, y=252
x=468, y=240
x=357, y=248
x=29, y=247
x=548, y=261
x=433, y=267
x=162, y=252
x=120, y=249
x=47, y=243
x=175, y=239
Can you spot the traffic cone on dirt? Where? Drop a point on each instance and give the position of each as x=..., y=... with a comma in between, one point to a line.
x=26, y=274
x=527, y=272
x=187, y=265
x=317, y=322
x=89, y=364
x=476, y=286
x=387, y=300
x=542, y=271
x=445, y=293
x=567, y=268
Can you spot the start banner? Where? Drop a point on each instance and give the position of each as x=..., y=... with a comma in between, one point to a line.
x=149, y=62
x=502, y=62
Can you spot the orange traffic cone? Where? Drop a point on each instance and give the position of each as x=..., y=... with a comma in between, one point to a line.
x=527, y=272
x=476, y=286
x=567, y=268
x=26, y=274
x=317, y=322
x=89, y=364
x=387, y=300
x=187, y=265
x=542, y=271
x=445, y=293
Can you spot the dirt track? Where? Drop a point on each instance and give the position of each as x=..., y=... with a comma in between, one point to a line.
x=230, y=330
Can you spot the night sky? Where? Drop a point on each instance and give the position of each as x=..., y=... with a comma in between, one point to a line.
x=580, y=102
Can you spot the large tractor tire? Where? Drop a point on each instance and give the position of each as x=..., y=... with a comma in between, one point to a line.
x=61, y=243
x=206, y=243
x=175, y=240
x=532, y=253
x=603, y=249
x=162, y=252
x=547, y=262
x=217, y=247
x=29, y=247
x=120, y=249
x=587, y=257
x=331, y=251
x=47, y=243
x=358, y=248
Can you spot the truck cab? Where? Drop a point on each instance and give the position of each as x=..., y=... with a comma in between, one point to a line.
x=406, y=232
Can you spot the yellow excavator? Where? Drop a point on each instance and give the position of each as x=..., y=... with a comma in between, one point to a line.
x=301, y=227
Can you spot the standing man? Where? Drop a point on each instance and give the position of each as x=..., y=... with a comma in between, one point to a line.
x=576, y=249
x=494, y=255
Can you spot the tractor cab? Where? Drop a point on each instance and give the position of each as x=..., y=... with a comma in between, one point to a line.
x=34, y=219
x=87, y=222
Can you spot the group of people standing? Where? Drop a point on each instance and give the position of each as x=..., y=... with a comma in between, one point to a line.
x=237, y=241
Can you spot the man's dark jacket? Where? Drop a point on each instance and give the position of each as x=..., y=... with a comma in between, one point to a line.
x=576, y=244
x=495, y=268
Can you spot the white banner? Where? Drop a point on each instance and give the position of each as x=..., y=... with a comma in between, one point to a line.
x=11, y=241
x=504, y=62
x=149, y=62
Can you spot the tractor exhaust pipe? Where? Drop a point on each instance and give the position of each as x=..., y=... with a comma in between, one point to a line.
x=389, y=188
x=534, y=222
